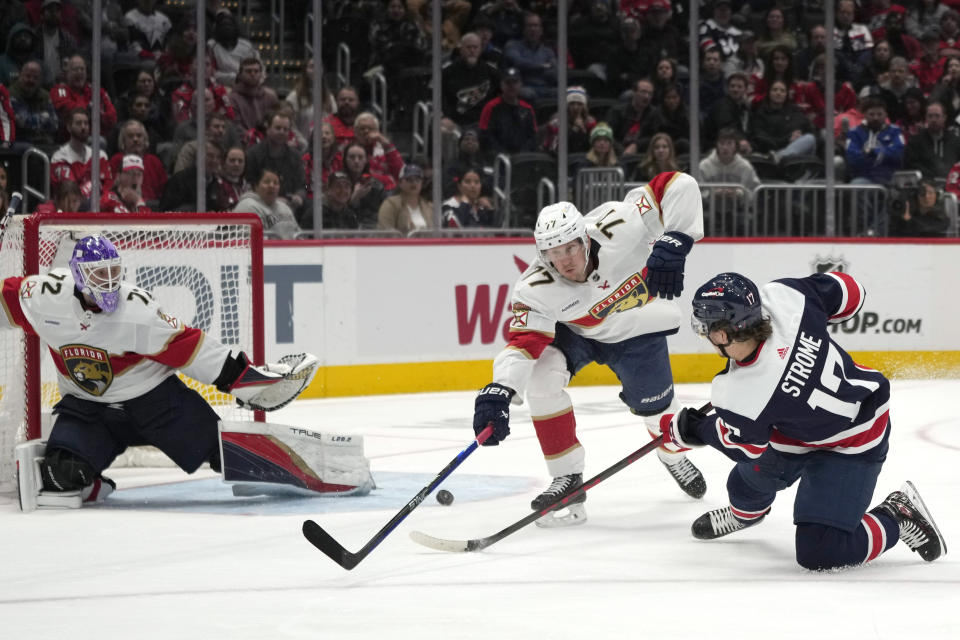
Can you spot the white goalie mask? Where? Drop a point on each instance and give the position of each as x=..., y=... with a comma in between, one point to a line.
x=557, y=225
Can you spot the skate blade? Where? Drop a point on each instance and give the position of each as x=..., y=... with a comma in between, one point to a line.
x=914, y=496
x=572, y=515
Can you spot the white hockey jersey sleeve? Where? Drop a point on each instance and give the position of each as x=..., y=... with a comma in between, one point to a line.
x=675, y=201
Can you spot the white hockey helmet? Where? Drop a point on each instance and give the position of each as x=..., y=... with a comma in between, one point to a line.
x=557, y=225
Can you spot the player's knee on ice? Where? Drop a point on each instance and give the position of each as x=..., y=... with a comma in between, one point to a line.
x=820, y=547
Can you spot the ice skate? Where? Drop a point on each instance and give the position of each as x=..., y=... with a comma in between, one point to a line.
x=575, y=513
x=720, y=522
x=688, y=477
x=917, y=528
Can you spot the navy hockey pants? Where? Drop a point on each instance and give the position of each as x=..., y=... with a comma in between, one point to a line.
x=835, y=491
x=642, y=365
x=172, y=417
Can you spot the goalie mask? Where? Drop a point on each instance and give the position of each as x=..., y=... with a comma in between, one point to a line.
x=728, y=300
x=557, y=225
x=98, y=271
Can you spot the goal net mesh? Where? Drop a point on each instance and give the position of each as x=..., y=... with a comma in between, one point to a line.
x=205, y=270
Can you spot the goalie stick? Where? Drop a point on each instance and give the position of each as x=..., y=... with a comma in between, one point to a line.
x=322, y=540
x=478, y=544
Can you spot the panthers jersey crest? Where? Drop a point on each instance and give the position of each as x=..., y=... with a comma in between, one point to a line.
x=631, y=293
x=88, y=367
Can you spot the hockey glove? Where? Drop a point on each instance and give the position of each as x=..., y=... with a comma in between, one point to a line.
x=664, y=274
x=492, y=407
x=680, y=430
x=269, y=386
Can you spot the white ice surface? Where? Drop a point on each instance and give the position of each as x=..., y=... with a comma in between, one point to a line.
x=633, y=570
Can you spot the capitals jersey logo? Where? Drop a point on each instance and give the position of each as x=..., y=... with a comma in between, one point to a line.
x=88, y=367
x=631, y=293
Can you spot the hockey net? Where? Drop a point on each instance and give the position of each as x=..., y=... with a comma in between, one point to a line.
x=206, y=269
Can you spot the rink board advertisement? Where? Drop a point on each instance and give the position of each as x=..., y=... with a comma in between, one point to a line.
x=388, y=317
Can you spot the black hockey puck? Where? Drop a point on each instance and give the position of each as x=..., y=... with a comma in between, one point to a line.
x=444, y=497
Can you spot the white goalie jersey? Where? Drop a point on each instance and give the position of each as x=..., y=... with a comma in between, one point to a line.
x=107, y=357
x=613, y=304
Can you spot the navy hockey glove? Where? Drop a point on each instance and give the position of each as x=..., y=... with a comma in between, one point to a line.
x=665, y=265
x=492, y=406
x=680, y=430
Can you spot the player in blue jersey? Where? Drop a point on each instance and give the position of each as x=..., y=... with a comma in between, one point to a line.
x=792, y=405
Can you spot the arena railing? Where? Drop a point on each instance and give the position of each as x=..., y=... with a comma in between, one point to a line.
x=336, y=234
x=29, y=190
x=472, y=232
x=596, y=185
x=800, y=210
x=950, y=205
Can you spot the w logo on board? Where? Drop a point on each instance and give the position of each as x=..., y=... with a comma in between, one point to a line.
x=782, y=352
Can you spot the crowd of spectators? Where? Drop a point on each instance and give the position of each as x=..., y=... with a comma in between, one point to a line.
x=760, y=90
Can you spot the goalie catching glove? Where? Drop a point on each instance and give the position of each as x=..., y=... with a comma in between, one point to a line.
x=269, y=386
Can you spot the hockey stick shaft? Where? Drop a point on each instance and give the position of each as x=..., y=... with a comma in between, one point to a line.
x=478, y=544
x=322, y=540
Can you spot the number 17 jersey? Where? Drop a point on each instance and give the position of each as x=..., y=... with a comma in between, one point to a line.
x=800, y=391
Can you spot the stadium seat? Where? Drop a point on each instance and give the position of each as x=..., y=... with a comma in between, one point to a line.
x=802, y=168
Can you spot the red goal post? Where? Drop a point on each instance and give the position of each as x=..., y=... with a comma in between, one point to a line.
x=204, y=268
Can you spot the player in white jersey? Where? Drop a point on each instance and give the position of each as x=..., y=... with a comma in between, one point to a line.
x=792, y=405
x=601, y=290
x=116, y=354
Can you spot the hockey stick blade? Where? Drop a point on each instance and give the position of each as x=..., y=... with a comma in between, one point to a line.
x=323, y=541
x=478, y=544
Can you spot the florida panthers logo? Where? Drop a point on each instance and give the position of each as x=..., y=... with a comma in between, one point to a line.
x=631, y=293
x=89, y=368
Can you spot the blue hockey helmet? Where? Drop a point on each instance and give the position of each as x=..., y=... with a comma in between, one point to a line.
x=727, y=299
x=98, y=270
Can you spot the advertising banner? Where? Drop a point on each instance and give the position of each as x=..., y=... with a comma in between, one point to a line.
x=408, y=316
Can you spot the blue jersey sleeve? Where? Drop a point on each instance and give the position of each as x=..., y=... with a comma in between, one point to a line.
x=838, y=294
x=736, y=436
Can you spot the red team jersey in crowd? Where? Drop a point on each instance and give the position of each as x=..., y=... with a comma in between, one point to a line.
x=613, y=304
x=8, y=125
x=65, y=100
x=66, y=164
x=154, y=175
x=111, y=203
x=107, y=357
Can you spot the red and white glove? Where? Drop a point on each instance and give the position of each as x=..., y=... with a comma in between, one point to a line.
x=679, y=430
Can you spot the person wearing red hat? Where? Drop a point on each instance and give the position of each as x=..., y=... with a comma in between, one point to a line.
x=127, y=193
x=126, y=196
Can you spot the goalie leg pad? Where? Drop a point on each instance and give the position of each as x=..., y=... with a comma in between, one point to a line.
x=29, y=456
x=56, y=478
x=294, y=458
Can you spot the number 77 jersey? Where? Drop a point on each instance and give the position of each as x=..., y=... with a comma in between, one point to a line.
x=801, y=392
